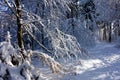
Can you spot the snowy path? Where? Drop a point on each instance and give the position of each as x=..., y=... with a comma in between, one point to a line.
x=103, y=64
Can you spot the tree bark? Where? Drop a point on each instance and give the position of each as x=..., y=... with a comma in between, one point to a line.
x=19, y=24
x=110, y=36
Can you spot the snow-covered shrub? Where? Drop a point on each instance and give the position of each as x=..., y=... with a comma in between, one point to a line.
x=7, y=52
x=12, y=68
x=65, y=46
x=56, y=42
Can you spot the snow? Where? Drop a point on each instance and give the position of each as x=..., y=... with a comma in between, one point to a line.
x=103, y=64
x=66, y=29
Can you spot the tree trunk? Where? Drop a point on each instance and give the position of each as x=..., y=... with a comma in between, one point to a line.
x=110, y=36
x=19, y=24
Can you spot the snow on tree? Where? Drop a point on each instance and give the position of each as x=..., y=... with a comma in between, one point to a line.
x=55, y=30
x=107, y=11
x=65, y=45
x=81, y=20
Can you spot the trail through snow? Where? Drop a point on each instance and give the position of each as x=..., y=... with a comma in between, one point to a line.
x=103, y=64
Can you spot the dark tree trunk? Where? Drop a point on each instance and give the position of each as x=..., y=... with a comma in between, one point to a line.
x=19, y=24
x=110, y=36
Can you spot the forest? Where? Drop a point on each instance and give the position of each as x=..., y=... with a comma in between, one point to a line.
x=59, y=39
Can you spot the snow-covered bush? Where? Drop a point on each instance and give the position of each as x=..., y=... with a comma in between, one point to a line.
x=13, y=68
x=65, y=46
x=7, y=52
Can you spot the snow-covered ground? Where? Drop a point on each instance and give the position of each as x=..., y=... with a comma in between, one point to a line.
x=103, y=64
